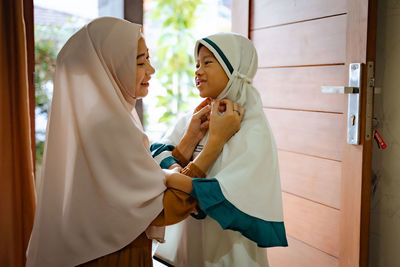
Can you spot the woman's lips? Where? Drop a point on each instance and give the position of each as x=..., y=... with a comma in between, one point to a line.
x=146, y=84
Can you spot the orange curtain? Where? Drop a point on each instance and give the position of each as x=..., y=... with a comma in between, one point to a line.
x=17, y=194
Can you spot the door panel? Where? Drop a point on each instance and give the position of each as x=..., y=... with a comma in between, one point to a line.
x=271, y=12
x=281, y=87
x=302, y=45
x=313, y=223
x=321, y=41
x=313, y=178
x=298, y=254
x=296, y=131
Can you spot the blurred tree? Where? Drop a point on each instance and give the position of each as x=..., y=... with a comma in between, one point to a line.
x=48, y=42
x=46, y=49
x=174, y=58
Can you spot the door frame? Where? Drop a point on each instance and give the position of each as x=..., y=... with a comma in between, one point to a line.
x=30, y=54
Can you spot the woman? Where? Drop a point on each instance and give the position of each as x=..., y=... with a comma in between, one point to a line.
x=241, y=195
x=101, y=197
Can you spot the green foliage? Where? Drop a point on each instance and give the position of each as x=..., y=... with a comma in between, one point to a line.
x=174, y=58
x=48, y=42
x=45, y=61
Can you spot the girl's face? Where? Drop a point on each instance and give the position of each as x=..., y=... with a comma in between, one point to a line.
x=211, y=78
x=144, y=70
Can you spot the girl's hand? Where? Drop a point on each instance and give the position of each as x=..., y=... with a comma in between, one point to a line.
x=225, y=120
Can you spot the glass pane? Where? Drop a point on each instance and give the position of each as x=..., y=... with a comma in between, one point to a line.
x=55, y=21
x=171, y=29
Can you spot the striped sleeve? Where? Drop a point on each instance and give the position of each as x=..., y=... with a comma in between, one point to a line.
x=162, y=154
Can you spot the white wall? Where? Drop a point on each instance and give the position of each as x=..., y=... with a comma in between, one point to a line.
x=385, y=201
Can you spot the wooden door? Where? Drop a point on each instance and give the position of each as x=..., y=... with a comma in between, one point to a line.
x=303, y=45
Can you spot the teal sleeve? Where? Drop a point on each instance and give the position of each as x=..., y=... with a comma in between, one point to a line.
x=157, y=148
x=214, y=204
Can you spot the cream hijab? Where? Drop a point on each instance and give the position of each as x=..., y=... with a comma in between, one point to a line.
x=100, y=187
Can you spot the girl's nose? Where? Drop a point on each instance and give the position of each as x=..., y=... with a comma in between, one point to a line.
x=198, y=72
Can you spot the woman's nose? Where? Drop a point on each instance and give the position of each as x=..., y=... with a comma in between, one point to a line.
x=150, y=70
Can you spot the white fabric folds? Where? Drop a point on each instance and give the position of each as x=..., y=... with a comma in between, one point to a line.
x=100, y=187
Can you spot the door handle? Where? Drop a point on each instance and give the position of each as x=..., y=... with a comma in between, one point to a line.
x=339, y=90
x=353, y=107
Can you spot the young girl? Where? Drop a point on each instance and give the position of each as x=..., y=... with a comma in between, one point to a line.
x=240, y=196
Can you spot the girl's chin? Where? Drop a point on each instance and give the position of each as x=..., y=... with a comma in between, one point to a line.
x=203, y=94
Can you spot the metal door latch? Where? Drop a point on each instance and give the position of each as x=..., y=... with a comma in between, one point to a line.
x=354, y=92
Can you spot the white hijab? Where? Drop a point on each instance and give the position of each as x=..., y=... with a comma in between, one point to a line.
x=247, y=168
x=100, y=187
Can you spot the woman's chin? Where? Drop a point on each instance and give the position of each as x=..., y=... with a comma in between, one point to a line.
x=143, y=92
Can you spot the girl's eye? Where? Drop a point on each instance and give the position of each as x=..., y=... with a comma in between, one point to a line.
x=197, y=66
x=140, y=64
x=207, y=62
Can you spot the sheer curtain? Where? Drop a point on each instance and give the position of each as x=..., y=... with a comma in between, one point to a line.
x=17, y=195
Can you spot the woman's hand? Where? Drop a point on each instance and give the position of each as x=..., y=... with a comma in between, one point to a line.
x=199, y=123
x=225, y=120
x=174, y=179
x=197, y=129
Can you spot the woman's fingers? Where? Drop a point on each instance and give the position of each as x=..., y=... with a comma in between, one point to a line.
x=204, y=125
x=204, y=103
x=234, y=107
x=242, y=112
x=203, y=114
x=215, y=106
x=229, y=105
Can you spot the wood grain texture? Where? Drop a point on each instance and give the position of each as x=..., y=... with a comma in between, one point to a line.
x=300, y=88
x=313, y=223
x=240, y=16
x=312, y=133
x=308, y=43
x=356, y=173
x=312, y=178
x=267, y=13
x=299, y=254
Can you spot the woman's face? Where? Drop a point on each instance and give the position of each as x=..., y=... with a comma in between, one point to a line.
x=144, y=70
x=210, y=77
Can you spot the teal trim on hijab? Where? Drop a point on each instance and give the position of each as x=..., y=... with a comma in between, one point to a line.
x=214, y=204
x=222, y=55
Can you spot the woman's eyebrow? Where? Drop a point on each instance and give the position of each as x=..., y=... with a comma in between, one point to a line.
x=143, y=54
